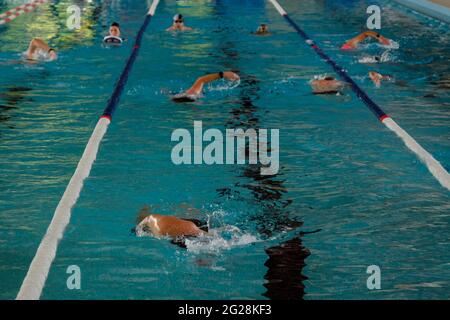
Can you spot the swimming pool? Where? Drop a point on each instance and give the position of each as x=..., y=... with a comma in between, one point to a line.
x=341, y=171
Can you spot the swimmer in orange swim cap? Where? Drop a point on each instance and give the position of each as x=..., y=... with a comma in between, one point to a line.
x=354, y=42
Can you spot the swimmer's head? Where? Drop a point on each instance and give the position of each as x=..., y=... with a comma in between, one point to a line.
x=377, y=59
x=263, y=28
x=328, y=78
x=178, y=19
x=114, y=29
x=52, y=54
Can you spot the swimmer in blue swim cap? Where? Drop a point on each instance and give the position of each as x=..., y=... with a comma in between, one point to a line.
x=114, y=34
x=39, y=50
x=178, y=24
x=194, y=92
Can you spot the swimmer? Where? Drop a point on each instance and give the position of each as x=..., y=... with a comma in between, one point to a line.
x=114, y=34
x=327, y=85
x=262, y=30
x=170, y=226
x=178, y=24
x=39, y=50
x=354, y=42
x=194, y=92
x=377, y=77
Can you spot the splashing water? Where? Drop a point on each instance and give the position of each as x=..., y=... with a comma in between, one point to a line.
x=223, y=85
x=220, y=239
x=386, y=56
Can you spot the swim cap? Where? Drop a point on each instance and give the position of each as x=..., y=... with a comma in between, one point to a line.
x=177, y=17
x=346, y=46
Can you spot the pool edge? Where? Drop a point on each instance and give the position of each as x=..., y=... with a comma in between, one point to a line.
x=429, y=8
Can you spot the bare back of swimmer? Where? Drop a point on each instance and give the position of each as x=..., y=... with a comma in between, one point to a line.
x=327, y=85
x=171, y=226
x=194, y=92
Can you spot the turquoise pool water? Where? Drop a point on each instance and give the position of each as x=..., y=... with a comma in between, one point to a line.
x=341, y=170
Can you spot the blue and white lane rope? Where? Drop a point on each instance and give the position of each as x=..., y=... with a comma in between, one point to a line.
x=36, y=277
x=436, y=169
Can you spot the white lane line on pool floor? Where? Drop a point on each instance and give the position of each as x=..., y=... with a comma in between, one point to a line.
x=37, y=273
x=434, y=166
x=35, y=279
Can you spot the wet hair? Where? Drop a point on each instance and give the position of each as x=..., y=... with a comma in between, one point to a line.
x=144, y=213
x=377, y=58
x=377, y=35
x=115, y=24
x=328, y=78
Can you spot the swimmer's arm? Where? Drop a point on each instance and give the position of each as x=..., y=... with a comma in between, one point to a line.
x=36, y=44
x=377, y=36
x=353, y=42
x=198, y=85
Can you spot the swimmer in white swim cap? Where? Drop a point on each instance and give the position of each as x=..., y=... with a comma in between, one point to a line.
x=178, y=24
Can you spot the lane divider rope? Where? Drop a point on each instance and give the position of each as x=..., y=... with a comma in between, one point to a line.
x=11, y=14
x=36, y=277
x=436, y=169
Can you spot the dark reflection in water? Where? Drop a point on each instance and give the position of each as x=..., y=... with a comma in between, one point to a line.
x=284, y=274
x=286, y=261
x=11, y=97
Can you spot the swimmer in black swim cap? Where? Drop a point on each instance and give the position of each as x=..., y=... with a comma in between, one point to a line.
x=114, y=34
x=178, y=24
x=194, y=92
x=263, y=30
x=38, y=49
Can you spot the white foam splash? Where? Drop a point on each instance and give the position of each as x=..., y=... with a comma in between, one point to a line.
x=224, y=86
x=219, y=240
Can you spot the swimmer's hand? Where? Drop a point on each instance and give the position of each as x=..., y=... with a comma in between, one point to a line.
x=229, y=75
